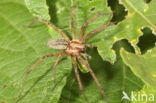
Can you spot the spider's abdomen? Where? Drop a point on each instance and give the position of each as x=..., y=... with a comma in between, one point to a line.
x=75, y=47
x=57, y=44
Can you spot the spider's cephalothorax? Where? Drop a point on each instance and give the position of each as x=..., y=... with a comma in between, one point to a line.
x=75, y=48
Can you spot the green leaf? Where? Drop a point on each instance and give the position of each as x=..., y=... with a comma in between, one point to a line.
x=147, y=40
x=140, y=15
x=20, y=46
x=140, y=11
x=142, y=65
x=82, y=68
x=38, y=8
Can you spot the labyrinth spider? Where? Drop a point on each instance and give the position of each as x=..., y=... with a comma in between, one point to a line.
x=75, y=47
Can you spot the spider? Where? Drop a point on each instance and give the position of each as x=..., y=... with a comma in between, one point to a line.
x=75, y=47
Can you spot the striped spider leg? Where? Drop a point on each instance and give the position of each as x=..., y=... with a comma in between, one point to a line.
x=84, y=37
x=90, y=20
x=73, y=25
x=78, y=78
x=84, y=62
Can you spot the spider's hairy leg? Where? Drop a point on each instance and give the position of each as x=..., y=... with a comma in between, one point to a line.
x=42, y=58
x=77, y=74
x=90, y=20
x=85, y=62
x=73, y=21
x=20, y=96
x=35, y=65
x=97, y=30
x=96, y=80
x=54, y=27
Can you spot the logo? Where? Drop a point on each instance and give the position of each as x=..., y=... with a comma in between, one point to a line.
x=125, y=96
x=137, y=96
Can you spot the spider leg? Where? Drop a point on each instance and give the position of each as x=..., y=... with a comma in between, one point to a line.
x=35, y=65
x=42, y=58
x=54, y=27
x=54, y=66
x=90, y=20
x=85, y=62
x=97, y=30
x=96, y=80
x=20, y=96
x=77, y=74
x=73, y=21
